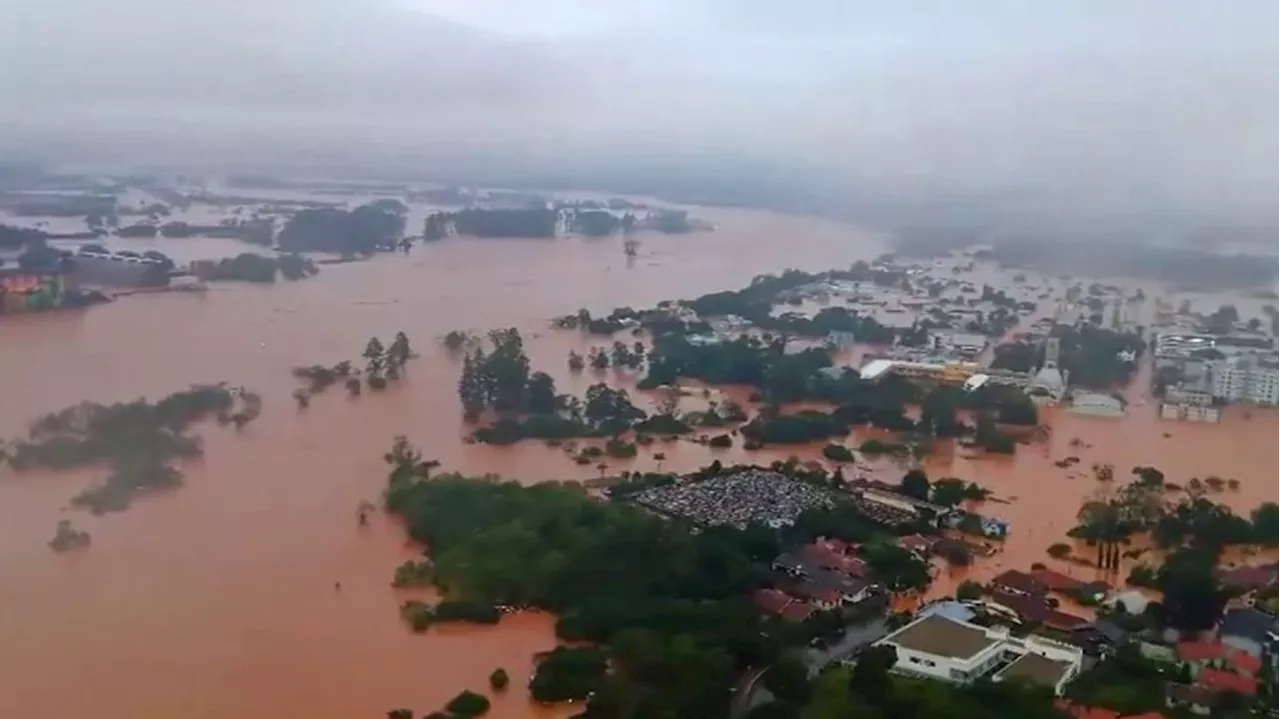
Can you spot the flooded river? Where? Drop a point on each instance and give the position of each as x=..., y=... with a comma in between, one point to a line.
x=218, y=600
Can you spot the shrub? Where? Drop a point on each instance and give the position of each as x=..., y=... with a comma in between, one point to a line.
x=721, y=441
x=498, y=680
x=1059, y=550
x=969, y=590
x=837, y=453
x=468, y=704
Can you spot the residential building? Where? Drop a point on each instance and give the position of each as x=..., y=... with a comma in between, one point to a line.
x=1018, y=583
x=945, y=649
x=1250, y=631
x=1221, y=680
x=23, y=290
x=1245, y=379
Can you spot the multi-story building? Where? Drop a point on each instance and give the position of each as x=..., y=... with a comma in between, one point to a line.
x=949, y=650
x=1245, y=379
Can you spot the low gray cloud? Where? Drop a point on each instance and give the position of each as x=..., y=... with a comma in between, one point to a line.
x=1112, y=108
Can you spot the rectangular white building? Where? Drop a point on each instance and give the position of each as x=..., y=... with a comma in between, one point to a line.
x=1245, y=380
x=949, y=650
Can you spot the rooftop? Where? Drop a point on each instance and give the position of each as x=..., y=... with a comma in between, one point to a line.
x=1038, y=669
x=1019, y=581
x=1223, y=680
x=1249, y=623
x=942, y=637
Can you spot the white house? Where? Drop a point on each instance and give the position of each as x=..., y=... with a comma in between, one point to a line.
x=946, y=649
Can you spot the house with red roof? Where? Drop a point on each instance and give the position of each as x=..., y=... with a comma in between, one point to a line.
x=1080, y=711
x=778, y=603
x=1213, y=653
x=1221, y=680
x=1020, y=583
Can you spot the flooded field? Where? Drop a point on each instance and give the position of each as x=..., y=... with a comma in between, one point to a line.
x=218, y=600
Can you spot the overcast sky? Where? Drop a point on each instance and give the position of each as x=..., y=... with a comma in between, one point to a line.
x=1113, y=102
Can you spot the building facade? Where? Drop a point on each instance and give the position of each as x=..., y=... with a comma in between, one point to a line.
x=30, y=290
x=1245, y=380
x=950, y=650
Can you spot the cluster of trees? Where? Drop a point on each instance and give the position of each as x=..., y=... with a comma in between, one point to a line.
x=382, y=364
x=369, y=228
x=251, y=267
x=665, y=608
x=1194, y=527
x=136, y=440
x=598, y=223
x=748, y=360
x=526, y=403
x=505, y=223
x=1091, y=355
x=68, y=538
x=15, y=237
x=947, y=491
x=466, y=705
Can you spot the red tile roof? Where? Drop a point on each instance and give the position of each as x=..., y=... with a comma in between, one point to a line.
x=1222, y=680
x=825, y=555
x=771, y=600
x=1020, y=582
x=1249, y=577
x=797, y=611
x=1036, y=608
x=1079, y=711
x=1056, y=581
x=1200, y=651
x=1244, y=662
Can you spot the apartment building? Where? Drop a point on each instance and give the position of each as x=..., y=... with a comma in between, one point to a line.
x=1245, y=379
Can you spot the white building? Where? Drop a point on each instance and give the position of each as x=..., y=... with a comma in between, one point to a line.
x=945, y=649
x=1097, y=405
x=1245, y=380
x=1189, y=412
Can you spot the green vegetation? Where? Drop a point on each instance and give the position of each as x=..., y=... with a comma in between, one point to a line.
x=383, y=364
x=837, y=453
x=1126, y=682
x=68, y=538
x=798, y=428
x=135, y=440
x=568, y=674
x=526, y=404
x=468, y=704
x=250, y=267
x=593, y=564
x=1059, y=550
x=498, y=680
x=412, y=574
x=369, y=228
x=969, y=590
x=1196, y=529
x=1092, y=355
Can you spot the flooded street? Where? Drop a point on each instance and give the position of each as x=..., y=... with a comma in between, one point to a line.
x=217, y=600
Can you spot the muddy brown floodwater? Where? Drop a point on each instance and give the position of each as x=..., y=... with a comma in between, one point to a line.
x=217, y=600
